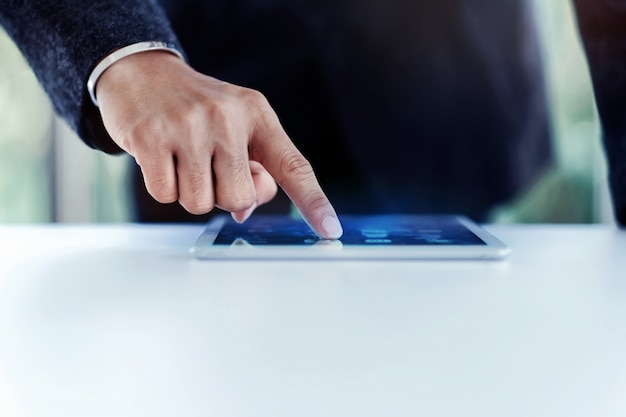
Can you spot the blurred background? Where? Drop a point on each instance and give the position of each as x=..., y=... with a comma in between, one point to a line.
x=48, y=175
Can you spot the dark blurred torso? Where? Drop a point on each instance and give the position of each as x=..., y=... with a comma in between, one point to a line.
x=401, y=106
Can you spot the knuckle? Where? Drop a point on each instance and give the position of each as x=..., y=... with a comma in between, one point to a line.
x=146, y=138
x=124, y=141
x=232, y=160
x=131, y=139
x=158, y=184
x=196, y=183
x=222, y=120
x=238, y=192
x=195, y=116
x=292, y=163
x=229, y=152
x=197, y=197
x=316, y=201
x=258, y=105
x=254, y=98
x=233, y=202
x=211, y=109
x=162, y=191
x=197, y=207
x=216, y=107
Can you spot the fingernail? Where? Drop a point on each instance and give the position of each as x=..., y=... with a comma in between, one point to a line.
x=241, y=217
x=332, y=228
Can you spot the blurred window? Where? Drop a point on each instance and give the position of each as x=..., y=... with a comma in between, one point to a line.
x=25, y=141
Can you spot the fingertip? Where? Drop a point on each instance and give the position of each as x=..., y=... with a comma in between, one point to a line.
x=238, y=216
x=331, y=228
x=242, y=216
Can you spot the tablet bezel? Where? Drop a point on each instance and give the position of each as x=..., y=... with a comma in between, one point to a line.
x=493, y=248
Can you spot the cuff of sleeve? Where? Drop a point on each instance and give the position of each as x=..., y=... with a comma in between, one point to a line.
x=123, y=53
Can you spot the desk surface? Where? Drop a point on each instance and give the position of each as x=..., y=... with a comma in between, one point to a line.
x=121, y=321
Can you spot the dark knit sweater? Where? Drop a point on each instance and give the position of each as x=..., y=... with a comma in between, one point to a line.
x=64, y=40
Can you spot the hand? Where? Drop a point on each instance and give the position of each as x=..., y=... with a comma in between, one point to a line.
x=206, y=143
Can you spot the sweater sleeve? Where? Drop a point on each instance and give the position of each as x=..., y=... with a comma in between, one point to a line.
x=63, y=40
x=602, y=26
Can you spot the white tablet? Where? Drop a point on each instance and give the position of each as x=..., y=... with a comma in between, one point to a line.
x=364, y=237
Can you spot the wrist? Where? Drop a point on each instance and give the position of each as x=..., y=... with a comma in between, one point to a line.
x=124, y=53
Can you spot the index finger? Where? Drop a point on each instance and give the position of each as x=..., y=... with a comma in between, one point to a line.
x=271, y=146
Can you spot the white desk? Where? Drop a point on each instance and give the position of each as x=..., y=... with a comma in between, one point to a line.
x=120, y=321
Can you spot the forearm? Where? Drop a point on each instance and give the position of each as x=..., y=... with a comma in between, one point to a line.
x=603, y=30
x=64, y=40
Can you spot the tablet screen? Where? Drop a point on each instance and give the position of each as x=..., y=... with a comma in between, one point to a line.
x=361, y=230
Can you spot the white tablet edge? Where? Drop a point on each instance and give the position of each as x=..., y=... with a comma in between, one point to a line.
x=493, y=249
